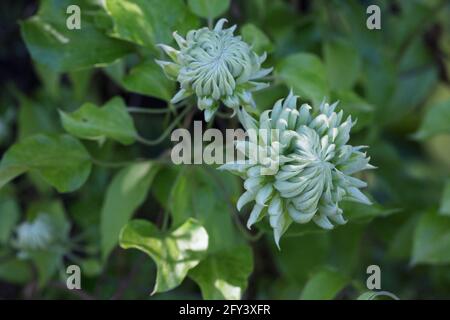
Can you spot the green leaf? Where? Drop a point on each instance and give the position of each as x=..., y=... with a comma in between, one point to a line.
x=9, y=216
x=16, y=271
x=314, y=250
x=400, y=247
x=112, y=121
x=149, y=22
x=256, y=38
x=174, y=253
x=209, y=9
x=91, y=267
x=166, y=178
x=52, y=44
x=324, y=285
x=148, y=78
x=445, y=202
x=354, y=105
x=61, y=160
x=432, y=240
x=361, y=213
x=127, y=191
x=410, y=92
x=342, y=63
x=47, y=264
x=345, y=248
x=379, y=84
x=305, y=74
x=204, y=195
x=224, y=275
x=80, y=81
x=437, y=120
x=36, y=117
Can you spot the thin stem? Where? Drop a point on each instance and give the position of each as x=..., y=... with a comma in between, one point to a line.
x=165, y=222
x=210, y=22
x=154, y=111
x=166, y=217
x=166, y=132
x=108, y=164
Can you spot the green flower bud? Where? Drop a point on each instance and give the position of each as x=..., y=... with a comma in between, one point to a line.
x=303, y=168
x=216, y=66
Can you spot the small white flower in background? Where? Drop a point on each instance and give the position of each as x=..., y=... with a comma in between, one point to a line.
x=35, y=235
x=216, y=66
x=314, y=169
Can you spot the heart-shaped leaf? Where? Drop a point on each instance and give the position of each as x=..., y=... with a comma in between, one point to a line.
x=61, y=160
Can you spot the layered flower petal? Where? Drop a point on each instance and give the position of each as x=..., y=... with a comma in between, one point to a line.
x=303, y=171
x=216, y=66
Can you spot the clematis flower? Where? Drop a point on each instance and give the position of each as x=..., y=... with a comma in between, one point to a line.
x=314, y=167
x=35, y=235
x=216, y=66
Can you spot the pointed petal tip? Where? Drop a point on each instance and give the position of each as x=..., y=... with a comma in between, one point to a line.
x=324, y=223
x=277, y=243
x=160, y=62
x=219, y=24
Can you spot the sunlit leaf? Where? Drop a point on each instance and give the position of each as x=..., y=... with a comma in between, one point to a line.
x=174, y=253
x=149, y=22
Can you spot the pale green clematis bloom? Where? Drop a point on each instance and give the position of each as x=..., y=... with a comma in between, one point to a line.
x=216, y=66
x=314, y=168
